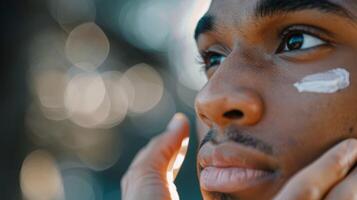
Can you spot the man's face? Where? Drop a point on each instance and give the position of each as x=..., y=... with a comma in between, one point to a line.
x=262, y=129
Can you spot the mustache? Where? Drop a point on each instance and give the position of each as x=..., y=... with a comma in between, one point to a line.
x=240, y=137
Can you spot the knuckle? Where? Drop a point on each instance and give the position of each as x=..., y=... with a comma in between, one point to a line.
x=301, y=188
x=337, y=160
x=311, y=192
x=307, y=189
x=130, y=176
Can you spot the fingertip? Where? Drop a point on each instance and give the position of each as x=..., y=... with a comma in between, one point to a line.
x=351, y=143
x=176, y=120
x=179, y=123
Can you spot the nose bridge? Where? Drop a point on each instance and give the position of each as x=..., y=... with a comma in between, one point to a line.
x=225, y=101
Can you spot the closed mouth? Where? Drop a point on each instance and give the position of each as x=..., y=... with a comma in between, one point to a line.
x=230, y=167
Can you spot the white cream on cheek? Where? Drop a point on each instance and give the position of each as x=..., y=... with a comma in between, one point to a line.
x=325, y=82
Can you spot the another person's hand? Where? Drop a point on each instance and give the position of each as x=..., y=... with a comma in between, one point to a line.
x=331, y=177
x=150, y=176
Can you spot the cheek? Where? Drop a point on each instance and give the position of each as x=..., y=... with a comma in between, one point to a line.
x=308, y=124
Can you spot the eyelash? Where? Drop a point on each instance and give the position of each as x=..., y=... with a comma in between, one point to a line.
x=201, y=60
x=299, y=29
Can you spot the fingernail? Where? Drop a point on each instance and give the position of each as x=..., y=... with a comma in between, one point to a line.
x=176, y=121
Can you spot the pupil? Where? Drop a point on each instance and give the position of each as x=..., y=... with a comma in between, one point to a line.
x=215, y=60
x=295, y=42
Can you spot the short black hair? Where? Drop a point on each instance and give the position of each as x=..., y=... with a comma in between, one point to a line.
x=204, y=25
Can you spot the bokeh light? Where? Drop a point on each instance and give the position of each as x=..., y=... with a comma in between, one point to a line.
x=104, y=77
x=41, y=130
x=154, y=121
x=69, y=13
x=147, y=86
x=80, y=184
x=98, y=150
x=183, y=54
x=186, y=95
x=147, y=24
x=46, y=50
x=86, y=99
x=50, y=85
x=40, y=179
x=87, y=46
x=153, y=23
x=117, y=86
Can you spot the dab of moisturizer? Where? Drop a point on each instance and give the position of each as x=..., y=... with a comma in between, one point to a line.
x=326, y=82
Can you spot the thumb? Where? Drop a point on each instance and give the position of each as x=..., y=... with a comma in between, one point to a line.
x=156, y=156
x=174, y=144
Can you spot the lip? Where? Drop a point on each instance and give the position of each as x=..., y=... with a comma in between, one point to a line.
x=230, y=167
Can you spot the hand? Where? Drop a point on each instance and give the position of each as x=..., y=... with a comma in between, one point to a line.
x=151, y=174
x=331, y=177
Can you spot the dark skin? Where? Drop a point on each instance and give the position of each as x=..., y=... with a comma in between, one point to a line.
x=252, y=59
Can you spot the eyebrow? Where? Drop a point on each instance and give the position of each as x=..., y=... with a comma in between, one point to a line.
x=273, y=7
x=206, y=24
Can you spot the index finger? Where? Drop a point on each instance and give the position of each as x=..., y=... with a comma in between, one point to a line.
x=314, y=181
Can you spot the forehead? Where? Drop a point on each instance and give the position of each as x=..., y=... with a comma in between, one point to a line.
x=230, y=16
x=228, y=7
x=244, y=9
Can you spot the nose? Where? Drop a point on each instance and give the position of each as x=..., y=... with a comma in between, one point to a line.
x=242, y=107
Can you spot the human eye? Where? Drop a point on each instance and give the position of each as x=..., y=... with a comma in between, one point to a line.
x=211, y=60
x=297, y=39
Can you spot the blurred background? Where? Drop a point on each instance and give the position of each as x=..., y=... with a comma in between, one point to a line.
x=84, y=85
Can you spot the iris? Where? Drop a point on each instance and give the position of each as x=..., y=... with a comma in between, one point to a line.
x=295, y=41
x=215, y=59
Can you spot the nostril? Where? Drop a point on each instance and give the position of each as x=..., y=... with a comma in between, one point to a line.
x=204, y=118
x=234, y=114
